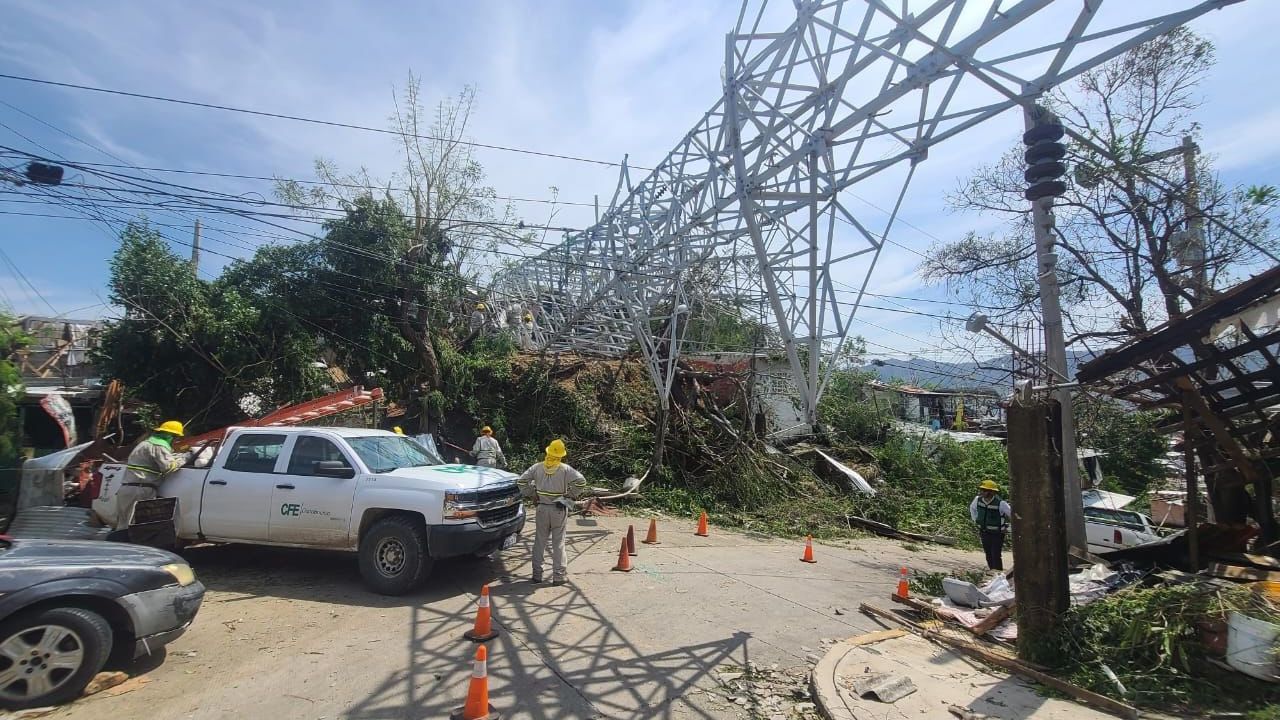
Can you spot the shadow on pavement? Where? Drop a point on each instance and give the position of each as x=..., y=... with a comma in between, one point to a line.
x=558, y=656
x=319, y=576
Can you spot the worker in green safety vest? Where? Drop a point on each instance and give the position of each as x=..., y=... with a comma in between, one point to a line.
x=991, y=515
x=148, y=464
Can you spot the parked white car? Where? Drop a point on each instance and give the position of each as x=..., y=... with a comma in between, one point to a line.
x=1110, y=529
x=382, y=495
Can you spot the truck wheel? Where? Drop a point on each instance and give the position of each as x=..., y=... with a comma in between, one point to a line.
x=47, y=657
x=393, y=555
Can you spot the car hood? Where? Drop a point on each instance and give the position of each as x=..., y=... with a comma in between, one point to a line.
x=81, y=553
x=449, y=477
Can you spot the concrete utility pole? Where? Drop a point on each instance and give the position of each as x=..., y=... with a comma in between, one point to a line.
x=1056, y=350
x=195, y=249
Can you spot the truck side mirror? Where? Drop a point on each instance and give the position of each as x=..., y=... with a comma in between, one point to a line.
x=334, y=469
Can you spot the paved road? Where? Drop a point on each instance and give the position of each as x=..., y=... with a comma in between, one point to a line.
x=290, y=634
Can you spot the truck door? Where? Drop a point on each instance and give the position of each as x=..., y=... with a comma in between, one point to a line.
x=312, y=499
x=238, y=493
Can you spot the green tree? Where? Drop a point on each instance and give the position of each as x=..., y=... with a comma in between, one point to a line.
x=1121, y=221
x=12, y=339
x=202, y=352
x=1132, y=445
x=1128, y=256
x=446, y=214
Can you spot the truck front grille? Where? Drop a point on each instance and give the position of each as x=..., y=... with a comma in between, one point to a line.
x=497, y=517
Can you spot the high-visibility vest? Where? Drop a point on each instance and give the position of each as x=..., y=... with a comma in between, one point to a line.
x=989, y=514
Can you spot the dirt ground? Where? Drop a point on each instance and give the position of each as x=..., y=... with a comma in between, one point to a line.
x=291, y=634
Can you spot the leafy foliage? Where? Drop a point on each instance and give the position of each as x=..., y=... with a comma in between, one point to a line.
x=12, y=339
x=195, y=348
x=1129, y=438
x=1151, y=639
x=1122, y=217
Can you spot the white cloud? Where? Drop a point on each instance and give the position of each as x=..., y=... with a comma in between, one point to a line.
x=595, y=80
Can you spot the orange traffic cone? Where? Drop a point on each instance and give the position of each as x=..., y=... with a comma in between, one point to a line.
x=702, y=525
x=903, y=590
x=808, y=550
x=624, y=560
x=631, y=540
x=652, y=537
x=483, y=630
x=477, y=706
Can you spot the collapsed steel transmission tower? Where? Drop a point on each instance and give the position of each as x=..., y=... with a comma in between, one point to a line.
x=750, y=203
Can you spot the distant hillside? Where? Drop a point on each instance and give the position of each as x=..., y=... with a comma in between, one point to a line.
x=990, y=373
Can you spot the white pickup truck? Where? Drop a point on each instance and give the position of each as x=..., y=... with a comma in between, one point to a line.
x=368, y=491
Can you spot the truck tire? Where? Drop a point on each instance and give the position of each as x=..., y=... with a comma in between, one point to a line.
x=393, y=555
x=49, y=656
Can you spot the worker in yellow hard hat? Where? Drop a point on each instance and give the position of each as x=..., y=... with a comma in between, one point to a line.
x=487, y=451
x=147, y=466
x=478, y=318
x=556, y=486
x=991, y=516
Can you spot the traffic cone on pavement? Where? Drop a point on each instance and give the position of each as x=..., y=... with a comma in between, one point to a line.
x=624, y=560
x=903, y=590
x=483, y=630
x=702, y=525
x=631, y=540
x=477, y=706
x=652, y=537
x=808, y=550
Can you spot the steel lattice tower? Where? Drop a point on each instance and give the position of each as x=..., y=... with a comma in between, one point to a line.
x=749, y=203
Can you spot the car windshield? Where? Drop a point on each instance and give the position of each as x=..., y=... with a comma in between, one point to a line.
x=384, y=453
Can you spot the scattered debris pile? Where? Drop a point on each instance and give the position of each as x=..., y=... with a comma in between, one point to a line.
x=768, y=693
x=1151, y=637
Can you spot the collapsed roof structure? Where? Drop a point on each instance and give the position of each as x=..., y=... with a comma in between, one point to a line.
x=1218, y=366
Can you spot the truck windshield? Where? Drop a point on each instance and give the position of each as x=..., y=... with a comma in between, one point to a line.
x=384, y=453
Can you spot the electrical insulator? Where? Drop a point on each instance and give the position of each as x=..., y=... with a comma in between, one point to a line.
x=1044, y=161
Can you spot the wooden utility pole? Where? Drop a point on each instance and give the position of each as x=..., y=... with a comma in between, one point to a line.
x=1039, y=519
x=1192, y=515
x=195, y=249
x=1194, y=254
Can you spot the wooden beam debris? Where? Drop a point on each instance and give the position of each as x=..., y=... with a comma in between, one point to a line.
x=880, y=528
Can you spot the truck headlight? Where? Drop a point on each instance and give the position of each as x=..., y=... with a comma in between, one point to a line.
x=181, y=572
x=453, y=508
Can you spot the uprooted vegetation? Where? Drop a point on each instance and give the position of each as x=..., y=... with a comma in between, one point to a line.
x=1156, y=642
x=605, y=411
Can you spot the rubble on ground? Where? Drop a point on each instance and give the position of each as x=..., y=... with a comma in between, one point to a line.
x=768, y=693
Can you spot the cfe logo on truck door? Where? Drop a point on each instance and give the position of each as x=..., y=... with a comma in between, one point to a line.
x=290, y=510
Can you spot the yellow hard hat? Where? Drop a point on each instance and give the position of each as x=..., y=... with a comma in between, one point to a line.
x=173, y=427
x=486, y=430
x=556, y=449
x=480, y=306
x=988, y=484
x=528, y=316
x=397, y=430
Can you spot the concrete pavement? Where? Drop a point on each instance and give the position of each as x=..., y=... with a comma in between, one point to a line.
x=942, y=678
x=292, y=634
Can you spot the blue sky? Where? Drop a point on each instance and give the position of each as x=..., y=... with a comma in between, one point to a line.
x=592, y=79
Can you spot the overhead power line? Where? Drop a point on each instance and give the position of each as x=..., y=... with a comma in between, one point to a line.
x=328, y=183
x=313, y=121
